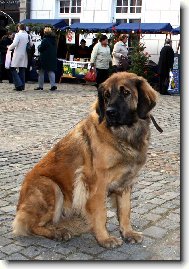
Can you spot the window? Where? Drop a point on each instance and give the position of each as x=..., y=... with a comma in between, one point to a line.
x=134, y=20
x=74, y=20
x=127, y=20
x=121, y=21
x=129, y=6
x=70, y=21
x=70, y=6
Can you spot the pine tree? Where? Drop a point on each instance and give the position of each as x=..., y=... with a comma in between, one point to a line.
x=139, y=60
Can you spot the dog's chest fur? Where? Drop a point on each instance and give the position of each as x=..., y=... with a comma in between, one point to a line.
x=126, y=159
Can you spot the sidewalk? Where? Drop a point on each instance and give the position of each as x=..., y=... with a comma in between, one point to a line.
x=32, y=121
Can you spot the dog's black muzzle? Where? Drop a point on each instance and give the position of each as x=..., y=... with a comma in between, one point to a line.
x=112, y=116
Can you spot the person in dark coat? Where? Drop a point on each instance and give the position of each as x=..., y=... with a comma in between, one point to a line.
x=165, y=64
x=47, y=58
x=95, y=41
x=5, y=41
x=83, y=51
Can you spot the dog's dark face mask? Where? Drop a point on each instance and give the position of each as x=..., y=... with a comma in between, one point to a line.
x=123, y=102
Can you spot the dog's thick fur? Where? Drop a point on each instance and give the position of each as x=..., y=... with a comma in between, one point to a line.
x=64, y=194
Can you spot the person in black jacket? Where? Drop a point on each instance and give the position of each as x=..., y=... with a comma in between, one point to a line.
x=47, y=58
x=5, y=41
x=82, y=51
x=165, y=64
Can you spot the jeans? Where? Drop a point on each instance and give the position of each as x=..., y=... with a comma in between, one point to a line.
x=18, y=77
x=51, y=76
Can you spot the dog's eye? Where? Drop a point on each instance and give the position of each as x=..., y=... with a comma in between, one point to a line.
x=126, y=92
x=107, y=95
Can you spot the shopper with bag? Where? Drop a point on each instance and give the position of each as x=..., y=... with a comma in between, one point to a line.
x=120, y=51
x=100, y=59
x=165, y=64
x=20, y=57
x=47, y=59
x=5, y=41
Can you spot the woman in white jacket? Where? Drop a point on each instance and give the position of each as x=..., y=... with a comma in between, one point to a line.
x=20, y=57
x=101, y=58
x=120, y=53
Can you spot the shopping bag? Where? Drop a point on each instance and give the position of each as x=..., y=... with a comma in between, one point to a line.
x=171, y=82
x=90, y=76
x=8, y=59
x=123, y=63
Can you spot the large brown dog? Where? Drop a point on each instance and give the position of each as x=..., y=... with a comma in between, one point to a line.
x=65, y=193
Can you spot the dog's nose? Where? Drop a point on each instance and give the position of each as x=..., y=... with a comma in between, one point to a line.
x=111, y=111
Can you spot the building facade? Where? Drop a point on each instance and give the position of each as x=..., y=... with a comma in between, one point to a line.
x=161, y=11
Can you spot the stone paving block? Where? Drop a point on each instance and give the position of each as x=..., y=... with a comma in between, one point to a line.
x=16, y=257
x=169, y=195
x=3, y=256
x=168, y=224
x=174, y=217
x=65, y=251
x=50, y=256
x=11, y=248
x=4, y=241
x=9, y=208
x=79, y=257
x=152, y=217
x=3, y=203
x=157, y=201
x=33, y=251
x=114, y=255
x=155, y=232
x=159, y=210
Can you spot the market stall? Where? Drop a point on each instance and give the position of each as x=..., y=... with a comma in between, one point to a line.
x=145, y=28
x=92, y=27
x=78, y=67
x=174, y=88
x=56, y=23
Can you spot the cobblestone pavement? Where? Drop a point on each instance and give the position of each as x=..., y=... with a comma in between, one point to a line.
x=31, y=122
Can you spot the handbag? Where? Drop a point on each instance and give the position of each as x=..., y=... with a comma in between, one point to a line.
x=90, y=76
x=123, y=64
x=172, y=85
x=8, y=59
x=37, y=63
x=30, y=49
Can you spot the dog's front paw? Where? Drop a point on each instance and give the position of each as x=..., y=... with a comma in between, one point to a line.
x=111, y=242
x=132, y=236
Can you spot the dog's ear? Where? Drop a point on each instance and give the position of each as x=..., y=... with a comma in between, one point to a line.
x=147, y=97
x=100, y=109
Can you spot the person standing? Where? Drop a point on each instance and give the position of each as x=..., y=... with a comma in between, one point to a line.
x=83, y=51
x=120, y=54
x=100, y=59
x=95, y=41
x=47, y=59
x=165, y=64
x=5, y=41
x=20, y=57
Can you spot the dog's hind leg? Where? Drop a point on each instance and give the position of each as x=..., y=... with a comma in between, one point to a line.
x=40, y=204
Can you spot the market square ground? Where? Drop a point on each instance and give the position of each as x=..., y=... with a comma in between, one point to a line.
x=31, y=122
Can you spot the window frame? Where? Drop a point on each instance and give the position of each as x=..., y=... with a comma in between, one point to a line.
x=128, y=7
x=76, y=6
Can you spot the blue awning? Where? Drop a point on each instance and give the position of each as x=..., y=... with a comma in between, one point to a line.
x=57, y=23
x=150, y=28
x=92, y=27
x=176, y=31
